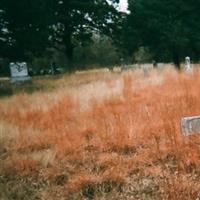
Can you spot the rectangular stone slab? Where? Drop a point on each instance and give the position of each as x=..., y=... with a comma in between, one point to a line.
x=19, y=72
x=18, y=69
x=190, y=125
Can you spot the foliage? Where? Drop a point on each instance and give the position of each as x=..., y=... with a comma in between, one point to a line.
x=142, y=56
x=76, y=21
x=100, y=50
x=26, y=24
x=32, y=26
x=32, y=29
x=168, y=28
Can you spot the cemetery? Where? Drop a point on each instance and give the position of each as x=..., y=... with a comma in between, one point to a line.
x=99, y=100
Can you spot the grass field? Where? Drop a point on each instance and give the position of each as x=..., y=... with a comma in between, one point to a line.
x=101, y=136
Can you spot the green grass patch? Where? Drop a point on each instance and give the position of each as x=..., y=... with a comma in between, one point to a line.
x=8, y=89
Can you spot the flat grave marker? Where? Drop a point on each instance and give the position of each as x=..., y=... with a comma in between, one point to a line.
x=190, y=125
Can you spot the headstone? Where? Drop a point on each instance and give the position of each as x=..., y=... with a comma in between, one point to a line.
x=188, y=67
x=155, y=64
x=161, y=65
x=147, y=69
x=19, y=72
x=190, y=125
x=123, y=65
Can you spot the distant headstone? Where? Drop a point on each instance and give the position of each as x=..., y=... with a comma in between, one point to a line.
x=19, y=72
x=123, y=64
x=161, y=65
x=190, y=125
x=188, y=67
x=147, y=69
x=155, y=64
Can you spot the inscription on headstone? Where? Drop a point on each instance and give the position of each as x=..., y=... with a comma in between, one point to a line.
x=188, y=67
x=190, y=125
x=19, y=72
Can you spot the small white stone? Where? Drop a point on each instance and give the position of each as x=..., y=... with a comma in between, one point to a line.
x=188, y=67
x=190, y=125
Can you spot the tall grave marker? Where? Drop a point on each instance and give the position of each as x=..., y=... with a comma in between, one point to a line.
x=188, y=66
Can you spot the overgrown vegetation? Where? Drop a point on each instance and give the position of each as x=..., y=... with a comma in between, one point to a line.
x=122, y=142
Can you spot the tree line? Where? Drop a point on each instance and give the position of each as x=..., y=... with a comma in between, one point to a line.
x=164, y=30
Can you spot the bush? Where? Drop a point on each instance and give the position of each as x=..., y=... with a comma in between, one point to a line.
x=143, y=55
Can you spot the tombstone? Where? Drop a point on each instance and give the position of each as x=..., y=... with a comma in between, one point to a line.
x=123, y=65
x=161, y=66
x=147, y=69
x=188, y=67
x=19, y=72
x=190, y=125
x=155, y=64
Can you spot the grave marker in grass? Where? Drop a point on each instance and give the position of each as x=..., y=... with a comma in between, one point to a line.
x=188, y=67
x=190, y=125
x=19, y=72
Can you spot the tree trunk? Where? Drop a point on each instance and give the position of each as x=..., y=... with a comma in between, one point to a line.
x=69, y=47
x=195, y=54
x=176, y=60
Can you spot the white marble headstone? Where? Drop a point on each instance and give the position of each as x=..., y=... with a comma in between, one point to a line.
x=188, y=66
x=190, y=125
x=19, y=72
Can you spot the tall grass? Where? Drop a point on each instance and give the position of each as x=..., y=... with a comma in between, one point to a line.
x=129, y=144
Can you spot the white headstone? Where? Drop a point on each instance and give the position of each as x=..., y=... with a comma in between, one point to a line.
x=188, y=67
x=190, y=125
x=19, y=72
x=160, y=65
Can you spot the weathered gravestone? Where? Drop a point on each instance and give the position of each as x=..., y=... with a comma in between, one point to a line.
x=190, y=125
x=19, y=72
x=188, y=66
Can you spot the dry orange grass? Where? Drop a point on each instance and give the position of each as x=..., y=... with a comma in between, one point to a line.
x=128, y=143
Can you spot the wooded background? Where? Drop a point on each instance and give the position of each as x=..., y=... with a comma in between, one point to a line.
x=85, y=33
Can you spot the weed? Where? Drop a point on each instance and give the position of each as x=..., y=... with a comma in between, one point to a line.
x=91, y=145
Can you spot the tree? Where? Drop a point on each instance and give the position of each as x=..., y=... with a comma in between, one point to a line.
x=76, y=21
x=99, y=52
x=26, y=23
x=169, y=28
x=34, y=25
x=3, y=33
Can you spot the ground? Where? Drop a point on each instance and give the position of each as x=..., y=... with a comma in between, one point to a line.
x=100, y=136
